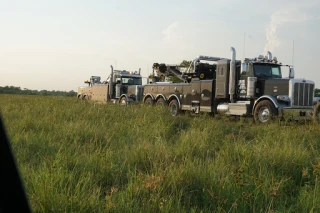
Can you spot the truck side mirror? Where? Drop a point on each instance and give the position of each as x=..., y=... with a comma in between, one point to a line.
x=243, y=68
x=291, y=72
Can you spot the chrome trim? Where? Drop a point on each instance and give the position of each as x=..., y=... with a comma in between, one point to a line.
x=269, y=55
x=271, y=98
x=232, y=75
x=293, y=95
x=266, y=97
x=251, y=87
x=111, y=82
x=223, y=108
x=205, y=108
x=148, y=95
x=139, y=92
x=164, y=97
x=185, y=107
x=123, y=95
x=264, y=114
x=285, y=98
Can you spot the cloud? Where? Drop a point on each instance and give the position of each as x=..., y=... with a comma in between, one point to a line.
x=177, y=38
x=176, y=35
x=171, y=34
x=293, y=15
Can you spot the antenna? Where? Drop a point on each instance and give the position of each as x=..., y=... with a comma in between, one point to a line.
x=292, y=52
x=244, y=44
x=148, y=71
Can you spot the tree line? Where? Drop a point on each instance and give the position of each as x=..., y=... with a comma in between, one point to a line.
x=25, y=91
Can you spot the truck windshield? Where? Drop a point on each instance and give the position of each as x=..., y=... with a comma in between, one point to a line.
x=267, y=71
x=131, y=81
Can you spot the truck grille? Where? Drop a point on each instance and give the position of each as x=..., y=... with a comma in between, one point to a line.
x=303, y=94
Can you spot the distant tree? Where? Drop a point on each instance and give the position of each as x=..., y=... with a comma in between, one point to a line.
x=185, y=63
x=25, y=91
x=43, y=92
x=71, y=93
x=174, y=79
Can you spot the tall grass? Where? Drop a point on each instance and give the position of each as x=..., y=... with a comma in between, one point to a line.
x=89, y=157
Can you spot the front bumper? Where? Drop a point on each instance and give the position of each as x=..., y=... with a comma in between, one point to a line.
x=296, y=113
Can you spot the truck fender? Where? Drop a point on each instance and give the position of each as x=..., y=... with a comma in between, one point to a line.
x=127, y=98
x=266, y=97
x=148, y=95
x=86, y=96
x=161, y=96
x=174, y=96
x=123, y=95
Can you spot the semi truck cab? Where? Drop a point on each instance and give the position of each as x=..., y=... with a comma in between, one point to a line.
x=261, y=80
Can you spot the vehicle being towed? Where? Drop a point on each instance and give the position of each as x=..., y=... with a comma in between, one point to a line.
x=121, y=87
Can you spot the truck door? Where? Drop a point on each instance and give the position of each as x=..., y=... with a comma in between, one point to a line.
x=206, y=95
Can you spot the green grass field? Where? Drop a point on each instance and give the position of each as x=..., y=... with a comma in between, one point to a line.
x=87, y=157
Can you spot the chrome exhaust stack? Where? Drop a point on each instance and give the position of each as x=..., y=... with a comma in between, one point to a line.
x=111, y=83
x=232, y=74
x=269, y=55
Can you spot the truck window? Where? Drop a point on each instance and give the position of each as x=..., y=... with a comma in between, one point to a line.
x=131, y=81
x=118, y=80
x=249, y=72
x=267, y=71
x=276, y=72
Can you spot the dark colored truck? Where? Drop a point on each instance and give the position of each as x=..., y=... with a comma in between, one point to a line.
x=251, y=87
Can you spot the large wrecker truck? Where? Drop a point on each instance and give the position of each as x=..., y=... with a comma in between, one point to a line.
x=251, y=87
x=121, y=87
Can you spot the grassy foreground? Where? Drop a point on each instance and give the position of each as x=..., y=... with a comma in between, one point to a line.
x=87, y=157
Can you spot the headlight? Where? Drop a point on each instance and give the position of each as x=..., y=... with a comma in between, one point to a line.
x=283, y=98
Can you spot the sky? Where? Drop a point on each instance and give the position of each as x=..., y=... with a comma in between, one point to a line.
x=57, y=45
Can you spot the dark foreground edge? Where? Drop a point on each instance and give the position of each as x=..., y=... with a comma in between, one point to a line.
x=12, y=195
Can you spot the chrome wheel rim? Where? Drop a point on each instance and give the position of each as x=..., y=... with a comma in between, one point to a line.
x=123, y=102
x=264, y=114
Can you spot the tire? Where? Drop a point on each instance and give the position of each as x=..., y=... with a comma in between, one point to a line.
x=86, y=98
x=316, y=114
x=161, y=102
x=148, y=101
x=123, y=101
x=174, y=107
x=264, y=112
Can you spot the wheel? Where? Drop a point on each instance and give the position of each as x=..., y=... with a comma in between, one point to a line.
x=174, y=107
x=123, y=101
x=148, y=101
x=161, y=102
x=316, y=114
x=264, y=112
x=86, y=98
